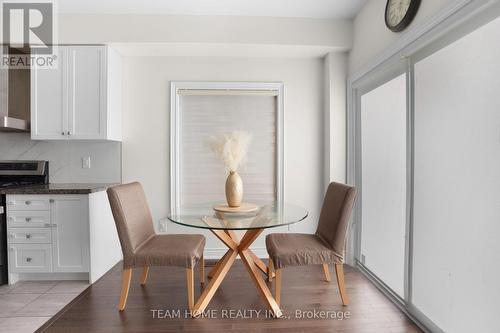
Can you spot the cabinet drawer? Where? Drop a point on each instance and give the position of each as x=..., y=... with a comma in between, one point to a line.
x=21, y=202
x=28, y=218
x=30, y=235
x=30, y=258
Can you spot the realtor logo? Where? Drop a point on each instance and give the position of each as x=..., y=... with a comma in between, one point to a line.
x=28, y=30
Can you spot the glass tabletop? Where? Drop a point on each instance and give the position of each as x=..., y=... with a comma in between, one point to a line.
x=267, y=215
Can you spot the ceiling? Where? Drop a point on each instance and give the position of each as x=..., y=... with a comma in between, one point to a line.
x=324, y=9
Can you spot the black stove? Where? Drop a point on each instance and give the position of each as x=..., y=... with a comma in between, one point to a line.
x=16, y=174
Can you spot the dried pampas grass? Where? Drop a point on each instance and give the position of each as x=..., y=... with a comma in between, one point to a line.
x=231, y=148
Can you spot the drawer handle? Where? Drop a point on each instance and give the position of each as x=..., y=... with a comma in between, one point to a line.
x=12, y=202
x=28, y=236
x=46, y=225
x=28, y=259
x=51, y=200
x=28, y=219
x=27, y=202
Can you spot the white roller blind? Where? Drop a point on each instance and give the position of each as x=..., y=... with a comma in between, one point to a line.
x=383, y=128
x=457, y=184
x=202, y=175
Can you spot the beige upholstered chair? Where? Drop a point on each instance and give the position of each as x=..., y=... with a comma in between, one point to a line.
x=143, y=248
x=326, y=246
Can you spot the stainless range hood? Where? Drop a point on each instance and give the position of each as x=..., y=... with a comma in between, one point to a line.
x=10, y=124
x=14, y=100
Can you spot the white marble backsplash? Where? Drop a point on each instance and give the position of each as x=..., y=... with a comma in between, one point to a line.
x=65, y=157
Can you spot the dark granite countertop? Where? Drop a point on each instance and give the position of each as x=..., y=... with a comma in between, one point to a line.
x=70, y=188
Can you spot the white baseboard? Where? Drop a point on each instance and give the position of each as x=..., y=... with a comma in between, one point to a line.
x=51, y=276
x=218, y=252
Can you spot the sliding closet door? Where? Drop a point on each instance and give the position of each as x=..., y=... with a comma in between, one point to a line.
x=456, y=224
x=383, y=141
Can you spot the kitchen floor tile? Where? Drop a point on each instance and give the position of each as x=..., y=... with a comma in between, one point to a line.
x=5, y=289
x=21, y=324
x=32, y=287
x=45, y=305
x=11, y=303
x=68, y=287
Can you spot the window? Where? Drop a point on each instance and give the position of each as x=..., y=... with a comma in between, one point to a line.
x=200, y=110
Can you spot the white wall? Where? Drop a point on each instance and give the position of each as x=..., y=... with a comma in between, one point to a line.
x=234, y=30
x=146, y=124
x=335, y=76
x=371, y=36
x=161, y=48
x=65, y=157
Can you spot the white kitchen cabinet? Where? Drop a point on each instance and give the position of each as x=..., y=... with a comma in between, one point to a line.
x=70, y=241
x=28, y=218
x=81, y=99
x=49, y=120
x=26, y=203
x=86, y=91
x=57, y=232
x=30, y=235
x=30, y=258
x=61, y=236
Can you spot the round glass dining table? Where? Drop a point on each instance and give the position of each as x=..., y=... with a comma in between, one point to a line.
x=223, y=226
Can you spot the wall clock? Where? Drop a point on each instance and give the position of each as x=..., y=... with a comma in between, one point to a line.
x=400, y=13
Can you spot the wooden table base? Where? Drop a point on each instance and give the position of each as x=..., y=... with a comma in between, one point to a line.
x=252, y=263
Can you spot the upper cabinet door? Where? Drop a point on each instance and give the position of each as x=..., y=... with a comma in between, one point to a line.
x=49, y=100
x=87, y=92
x=81, y=99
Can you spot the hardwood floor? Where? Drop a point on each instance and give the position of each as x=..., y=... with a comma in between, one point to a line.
x=304, y=289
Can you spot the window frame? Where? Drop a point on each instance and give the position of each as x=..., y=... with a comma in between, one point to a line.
x=175, y=128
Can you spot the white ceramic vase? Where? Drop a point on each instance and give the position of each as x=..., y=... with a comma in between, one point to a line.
x=234, y=189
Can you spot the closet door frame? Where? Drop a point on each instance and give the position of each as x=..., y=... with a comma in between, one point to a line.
x=369, y=83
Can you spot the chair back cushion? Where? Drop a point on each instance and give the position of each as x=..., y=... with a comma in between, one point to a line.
x=335, y=215
x=132, y=216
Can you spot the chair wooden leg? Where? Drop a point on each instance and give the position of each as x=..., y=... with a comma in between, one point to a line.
x=277, y=286
x=126, y=277
x=339, y=269
x=327, y=272
x=270, y=270
x=202, y=270
x=144, y=275
x=190, y=287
